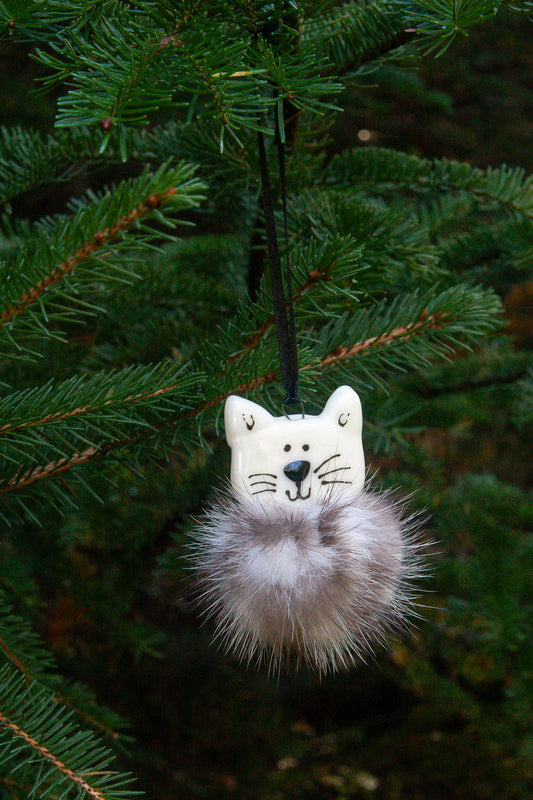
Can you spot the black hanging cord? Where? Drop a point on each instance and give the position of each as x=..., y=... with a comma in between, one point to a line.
x=283, y=303
x=288, y=274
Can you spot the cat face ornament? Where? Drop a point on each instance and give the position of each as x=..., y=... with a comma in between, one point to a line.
x=297, y=561
x=299, y=458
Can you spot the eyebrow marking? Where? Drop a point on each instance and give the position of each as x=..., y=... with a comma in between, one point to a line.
x=247, y=423
x=326, y=461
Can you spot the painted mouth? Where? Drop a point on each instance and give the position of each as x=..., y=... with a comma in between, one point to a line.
x=298, y=495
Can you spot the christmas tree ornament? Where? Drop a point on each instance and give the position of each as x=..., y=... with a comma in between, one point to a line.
x=298, y=559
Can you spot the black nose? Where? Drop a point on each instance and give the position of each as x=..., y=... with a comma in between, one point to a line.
x=297, y=470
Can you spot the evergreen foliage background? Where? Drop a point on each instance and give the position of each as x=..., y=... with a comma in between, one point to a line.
x=132, y=304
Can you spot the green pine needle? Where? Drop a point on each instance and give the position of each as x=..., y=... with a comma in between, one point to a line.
x=44, y=749
x=47, y=280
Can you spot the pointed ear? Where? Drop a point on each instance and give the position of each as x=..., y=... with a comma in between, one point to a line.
x=241, y=417
x=344, y=409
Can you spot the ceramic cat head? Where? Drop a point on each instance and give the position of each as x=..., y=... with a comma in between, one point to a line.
x=296, y=459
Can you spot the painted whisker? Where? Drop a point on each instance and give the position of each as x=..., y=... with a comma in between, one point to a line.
x=326, y=461
x=329, y=472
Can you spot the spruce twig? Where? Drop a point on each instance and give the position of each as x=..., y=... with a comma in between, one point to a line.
x=425, y=322
x=99, y=240
x=43, y=733
x=314, y=277
x=43, y=752
x=58, y=416
x=380, y=168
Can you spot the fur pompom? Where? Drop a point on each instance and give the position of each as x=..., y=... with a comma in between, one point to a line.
x=320, y=583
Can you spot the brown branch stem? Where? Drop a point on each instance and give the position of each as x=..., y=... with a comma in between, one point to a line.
x=45, y=753
x=98, y=241
x=13, y=657
x=59, y=465
x=423, y=322
x=313, y=278
x=57, y=416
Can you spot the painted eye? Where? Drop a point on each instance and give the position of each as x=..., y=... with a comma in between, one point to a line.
x=305, y=447
x=287, y=448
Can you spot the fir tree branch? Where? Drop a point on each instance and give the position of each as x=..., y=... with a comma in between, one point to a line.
x=88, y=718
x=21, y=645
x=205, y=79
x=44, y=753
x=395, y=243
x=127, y=87
x=66, y=701
x=54, y=276
x=438, y=23
x=30, y=159
x=142, y=58
x=313, y=278
x=426, y=321
x=58, y=466
x=382, y=169
x=99, y=240
x=354, y=36
x=243, y=388
x=40, y=739
x=62, y=424
x=70, y=413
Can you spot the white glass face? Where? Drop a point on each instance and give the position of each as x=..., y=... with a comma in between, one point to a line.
x=296, y=459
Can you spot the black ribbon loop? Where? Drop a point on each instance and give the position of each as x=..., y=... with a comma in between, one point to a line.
x=282, y=296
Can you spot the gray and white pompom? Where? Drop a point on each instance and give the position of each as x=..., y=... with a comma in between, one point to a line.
x=319, y=584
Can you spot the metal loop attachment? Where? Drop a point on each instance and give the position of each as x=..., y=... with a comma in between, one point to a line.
x=293, y=403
